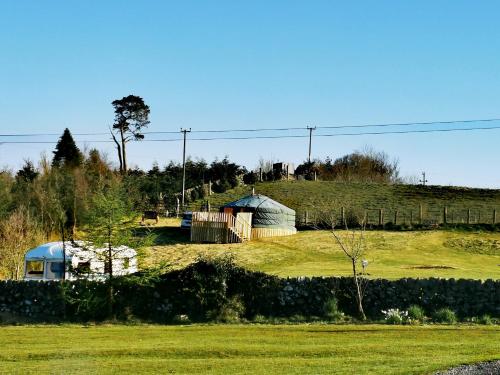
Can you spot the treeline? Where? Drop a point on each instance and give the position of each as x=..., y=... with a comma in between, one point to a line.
x=60, y=196
x=360, y=166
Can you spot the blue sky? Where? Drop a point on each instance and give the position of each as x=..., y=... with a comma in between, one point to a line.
x=258, y=64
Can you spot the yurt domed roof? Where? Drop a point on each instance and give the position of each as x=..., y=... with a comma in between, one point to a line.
x=261, y=203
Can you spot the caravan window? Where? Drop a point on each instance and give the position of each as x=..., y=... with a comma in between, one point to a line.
x=55, y=270
x=34, y=269
x=83, y=268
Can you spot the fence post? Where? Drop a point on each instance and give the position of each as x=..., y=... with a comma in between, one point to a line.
x=306, y=218
x=494, y=216
x=380, y=216
x=468, y=216
x=366, y=218
x=420, y=214
x=342, y=216
x=445, y=215
x=396, y=217
x=411, y=217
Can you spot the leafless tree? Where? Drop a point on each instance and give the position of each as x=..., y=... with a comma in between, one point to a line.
x=18, y=233
x=353, y=244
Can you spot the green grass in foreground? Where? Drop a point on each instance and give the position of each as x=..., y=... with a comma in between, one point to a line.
x=227, y=349
x=392, y=255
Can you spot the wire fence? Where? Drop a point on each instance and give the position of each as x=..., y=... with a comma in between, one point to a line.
x=405, y=216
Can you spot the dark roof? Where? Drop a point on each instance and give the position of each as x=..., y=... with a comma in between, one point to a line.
x=261, y=203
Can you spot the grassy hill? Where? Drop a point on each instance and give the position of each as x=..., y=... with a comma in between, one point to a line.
x=392, y=255
x=313, y=196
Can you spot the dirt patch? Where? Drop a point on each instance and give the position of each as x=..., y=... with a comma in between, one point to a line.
x=475, y=245
x=431, y=267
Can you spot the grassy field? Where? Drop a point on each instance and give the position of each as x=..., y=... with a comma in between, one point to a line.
x=391, y=255
x=248, y=349
x=313, y=196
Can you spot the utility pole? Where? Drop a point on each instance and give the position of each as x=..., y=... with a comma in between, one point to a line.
x=184, y=131
x=310, y=128
x=423, y=181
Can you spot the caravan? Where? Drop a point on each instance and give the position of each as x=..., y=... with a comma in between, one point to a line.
x=45, y=262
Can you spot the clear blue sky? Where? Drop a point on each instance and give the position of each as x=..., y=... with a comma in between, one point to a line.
x=264, y=64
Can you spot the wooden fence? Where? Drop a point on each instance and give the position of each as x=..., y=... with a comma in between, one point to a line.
x=419, y=215
x=271, y=232
x=219, y=227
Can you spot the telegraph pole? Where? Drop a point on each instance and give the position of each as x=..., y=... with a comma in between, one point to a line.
x=310, y=141
x=423, y=181
x=184, y=131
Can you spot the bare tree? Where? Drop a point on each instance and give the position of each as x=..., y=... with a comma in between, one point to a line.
x=18, y=233
x=353, y=244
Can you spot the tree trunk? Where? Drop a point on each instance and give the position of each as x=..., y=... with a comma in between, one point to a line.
x=124, y=154
x=119, y=150
x=110, y=279
x=359, y=294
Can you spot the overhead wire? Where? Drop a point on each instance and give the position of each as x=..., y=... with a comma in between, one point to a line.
x=277, y=136
x=402, y=124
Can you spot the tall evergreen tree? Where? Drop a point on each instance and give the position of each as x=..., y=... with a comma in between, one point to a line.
x=67, y=154
x=131, y=116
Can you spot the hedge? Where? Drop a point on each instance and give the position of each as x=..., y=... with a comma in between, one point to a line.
x=201, y=290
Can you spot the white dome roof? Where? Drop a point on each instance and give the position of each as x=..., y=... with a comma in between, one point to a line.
x=54, y=251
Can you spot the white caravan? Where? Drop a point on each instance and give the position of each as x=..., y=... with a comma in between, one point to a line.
x=45, y=262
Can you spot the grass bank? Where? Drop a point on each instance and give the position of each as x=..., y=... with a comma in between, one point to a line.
x=256, y=349
x=313, y=196
x=392, y=255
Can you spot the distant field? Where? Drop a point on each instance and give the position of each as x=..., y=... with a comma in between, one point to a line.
x=313, y=196
x=391, y=255
x=244, y=349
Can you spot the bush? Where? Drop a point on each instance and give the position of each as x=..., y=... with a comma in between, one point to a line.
x=486, y=320
x=230, y=312
x=445, y=315
x=331, y=310
x=395, y=316
x=416, y=313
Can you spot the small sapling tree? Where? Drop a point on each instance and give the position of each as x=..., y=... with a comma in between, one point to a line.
x=110, y=230
x=353, y=244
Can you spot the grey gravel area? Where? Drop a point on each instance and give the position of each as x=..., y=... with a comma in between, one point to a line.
x=484, y=368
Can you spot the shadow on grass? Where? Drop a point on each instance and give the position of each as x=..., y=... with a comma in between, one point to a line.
x=165, y=235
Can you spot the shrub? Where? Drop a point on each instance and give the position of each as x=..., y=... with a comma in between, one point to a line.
x=331, y=310
x=395, y=316
x=444, y=315
x=230, y=312
x=416, y=313
x=486, y=320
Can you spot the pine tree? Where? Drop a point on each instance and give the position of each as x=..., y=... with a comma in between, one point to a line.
x=67, y=154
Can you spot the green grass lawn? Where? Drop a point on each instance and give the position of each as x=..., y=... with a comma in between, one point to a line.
x=314, y=196
x=244, y=349
x=391, y=255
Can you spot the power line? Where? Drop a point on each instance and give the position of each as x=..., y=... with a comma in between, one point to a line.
x=277, y=136
x=273, y=129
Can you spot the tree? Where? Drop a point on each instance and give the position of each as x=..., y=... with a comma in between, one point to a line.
x=18, y=233
x=353, y=244
x=131, y=117
x=27, y=173
x=111, y=225
x=67, y=154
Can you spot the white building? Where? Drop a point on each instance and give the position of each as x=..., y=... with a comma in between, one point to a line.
x=45, y=262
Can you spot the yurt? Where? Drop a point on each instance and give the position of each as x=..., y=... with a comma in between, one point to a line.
x=269, y=218
x=45, y=262
x=251, y=217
